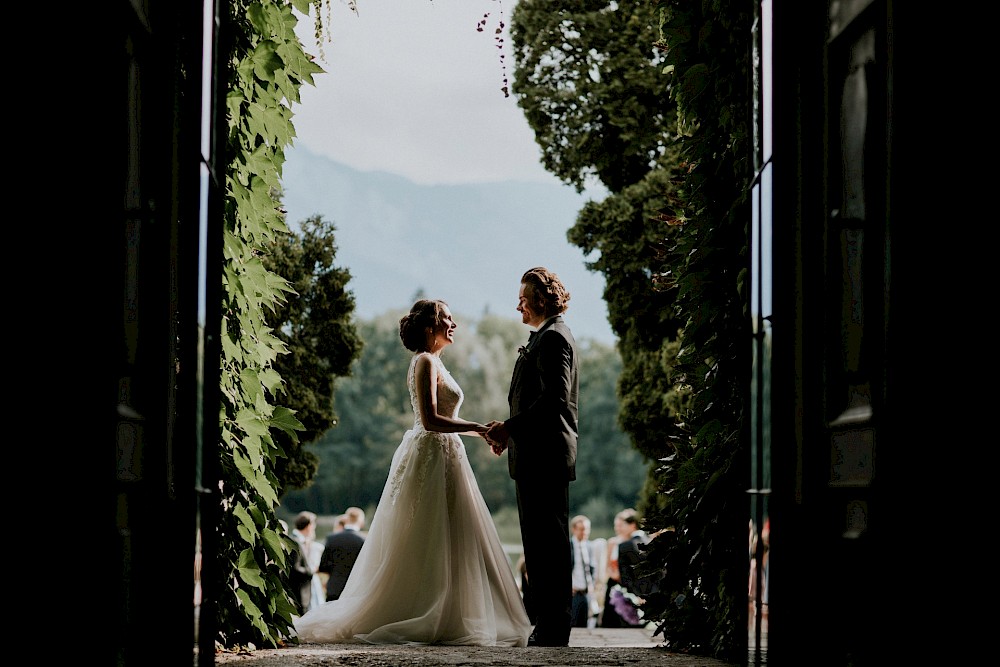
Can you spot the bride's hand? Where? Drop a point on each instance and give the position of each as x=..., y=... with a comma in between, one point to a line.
x=485, y=435
x=477, y=431
x=496, y=437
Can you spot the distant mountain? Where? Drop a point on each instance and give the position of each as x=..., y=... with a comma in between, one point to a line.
x=467, y=244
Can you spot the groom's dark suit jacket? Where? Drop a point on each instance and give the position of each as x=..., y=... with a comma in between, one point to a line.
x=543, y=398
x=541, y=455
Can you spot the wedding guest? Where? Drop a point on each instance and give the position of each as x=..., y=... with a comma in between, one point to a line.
x=610, y=618
x=752, y=578
x=356, y=518
x=765, y=538
x=583, y=571
x=197, y=571
x=598, y=549
x=311, y=592
x=626, y=596
x=629, y=556
x=341, y=552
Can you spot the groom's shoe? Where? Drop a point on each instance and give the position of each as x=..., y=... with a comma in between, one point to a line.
x=535, y=640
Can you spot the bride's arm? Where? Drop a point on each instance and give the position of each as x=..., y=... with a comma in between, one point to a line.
x=425, y=378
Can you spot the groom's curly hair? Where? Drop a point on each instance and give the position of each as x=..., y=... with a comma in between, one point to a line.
x=547, y=293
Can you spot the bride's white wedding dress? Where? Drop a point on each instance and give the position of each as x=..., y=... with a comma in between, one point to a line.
x=432, y=569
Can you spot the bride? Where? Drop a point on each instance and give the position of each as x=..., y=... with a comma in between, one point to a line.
x=432, y=569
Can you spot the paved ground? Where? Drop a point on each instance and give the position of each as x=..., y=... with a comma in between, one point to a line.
x=587, y=648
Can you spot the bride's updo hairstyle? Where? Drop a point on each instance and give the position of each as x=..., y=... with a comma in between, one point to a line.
x=546, y=293
x=424, y=317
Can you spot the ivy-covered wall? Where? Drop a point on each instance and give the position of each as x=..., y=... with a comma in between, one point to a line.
x=268, y=66
x=701, y=555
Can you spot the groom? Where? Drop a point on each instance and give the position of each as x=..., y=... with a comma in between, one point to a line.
x=540, y=438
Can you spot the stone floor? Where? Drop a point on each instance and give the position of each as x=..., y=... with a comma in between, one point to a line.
x=588, y=647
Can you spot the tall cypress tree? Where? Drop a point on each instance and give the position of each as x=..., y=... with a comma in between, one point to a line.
x=315, y=324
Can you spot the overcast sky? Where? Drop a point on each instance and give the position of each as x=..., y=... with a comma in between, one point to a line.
x=412, y=88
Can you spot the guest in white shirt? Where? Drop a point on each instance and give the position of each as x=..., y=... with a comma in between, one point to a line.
x=583, y=572
x=305, y=535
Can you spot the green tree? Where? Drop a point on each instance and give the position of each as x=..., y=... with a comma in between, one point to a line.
x=314, y=322
x=610, y=472
x=629, y=235
x=587, y=79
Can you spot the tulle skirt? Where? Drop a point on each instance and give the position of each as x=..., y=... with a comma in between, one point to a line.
x=432, y=569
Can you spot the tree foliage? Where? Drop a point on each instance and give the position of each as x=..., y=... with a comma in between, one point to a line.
x=629, y=236
x=586, y=79
x=609, y=470
x=314, y=323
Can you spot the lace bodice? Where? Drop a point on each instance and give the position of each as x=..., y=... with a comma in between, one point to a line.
x=449, y=393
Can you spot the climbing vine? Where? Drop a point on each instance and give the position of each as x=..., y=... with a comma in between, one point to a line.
x=267, y=68
x=701, y=605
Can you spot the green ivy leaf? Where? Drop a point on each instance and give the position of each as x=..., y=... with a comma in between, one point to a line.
x=284, y=419
x=270, y=379
x=251, y=577
x=265, y=489
x=274, y=545
x=254, y=452
x=286, y=609
x=247, y=522
x=251, y=423
x=266, y=60
x=247, y=603
x=245, y=466
x=254, y=278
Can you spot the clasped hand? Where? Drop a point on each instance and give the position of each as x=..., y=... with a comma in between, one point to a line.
x=496, y=436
